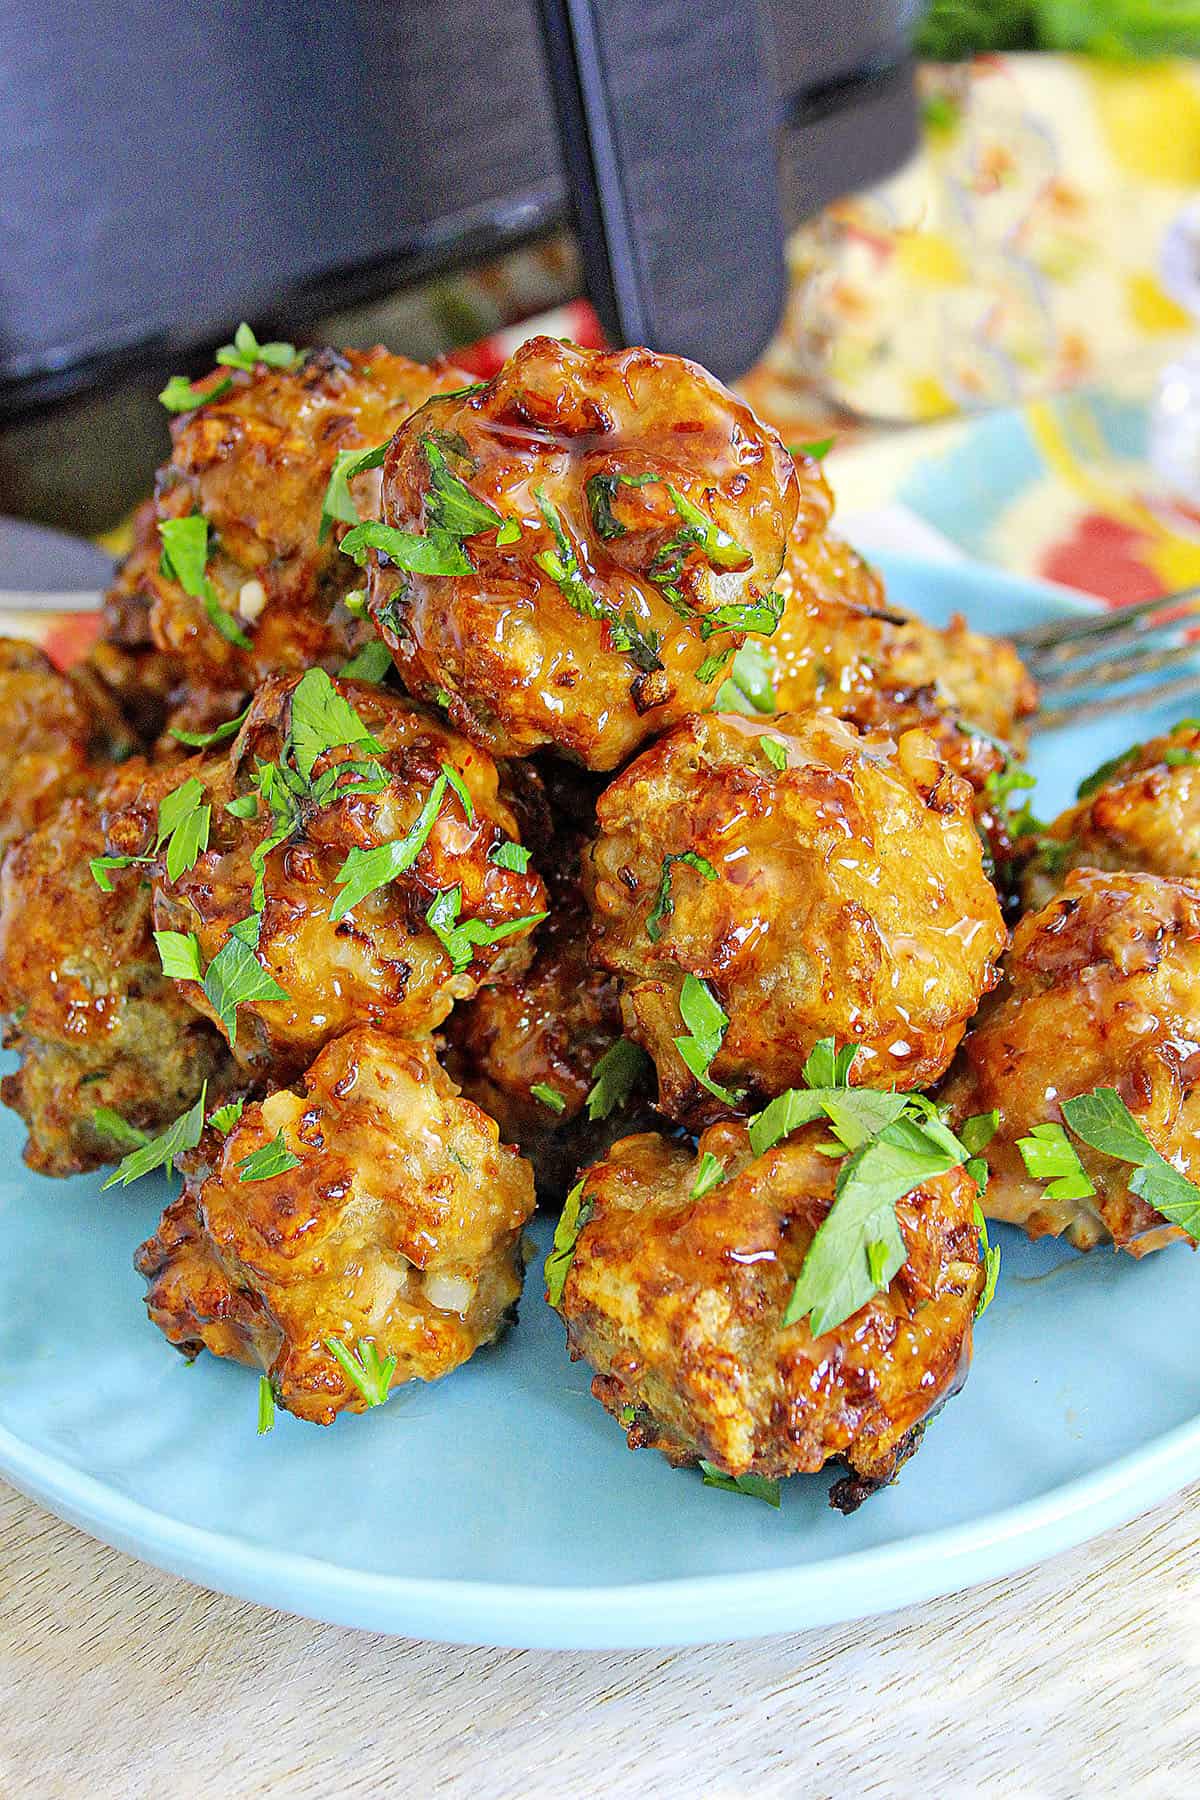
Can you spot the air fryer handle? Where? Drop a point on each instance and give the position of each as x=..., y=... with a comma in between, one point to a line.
x=668, y=120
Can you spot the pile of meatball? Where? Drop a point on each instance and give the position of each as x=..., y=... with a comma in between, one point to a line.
x=441, y=739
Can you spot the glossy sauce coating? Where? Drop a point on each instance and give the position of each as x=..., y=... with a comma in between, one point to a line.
x=519, y=664
x=380, y=962
x=1145, y=816
x=678, y=1305
x=90, y=1013
x=400, y=1224
x=1101, y=989
x=849, y=902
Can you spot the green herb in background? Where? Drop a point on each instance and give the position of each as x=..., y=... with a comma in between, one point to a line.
x=954, y=29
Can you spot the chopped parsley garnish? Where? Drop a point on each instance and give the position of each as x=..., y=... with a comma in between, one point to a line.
x=749, y=688
x=373, y=663
x=235, y=975
x=267, y=1161
x=507, y=855
x=179, y=954
x=406, y=550
x=459, y=788
x=117, y=1129
x=366, y=870
x=181, y=395
x=224, y=1118
x=664, y=904
x=614, y=1077
x=266, y=1406
x=975, y=1134
x=460, y=938
x=322, y=720
x=160, y=1152
x=1173, y=756
x=183, y=825
x=204, y=740
x=245, y=351
x=712, y=666
x=991, y=1262
x=549, y=1096
x=1001, y=786
x=102, y=867
x=185, y=559
x=775, y=752
x=600, y=491
x=452, y=509
x=562, y=566
x=242, y=806
x=369, y=1373
x=1051, y=1157
x=755, y=1487
x=577, y=1210
x=707, y=1024
x=817, y=452
x=710, y=1173
x=1103, y=1121
x=339, y=501
x=751, y=615
x=509, y=533
x=827, y=1066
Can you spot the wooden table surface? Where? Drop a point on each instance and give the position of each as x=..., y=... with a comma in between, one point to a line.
x=1075, y=1679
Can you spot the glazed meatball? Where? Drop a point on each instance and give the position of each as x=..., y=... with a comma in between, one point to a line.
x=1141, y=811
x=394, y=1221
x=325, y=954
x=817, y=882
x=1101, y=989
x=526, y=1048
x=59, y=733
x=255, y=462
x=619, y=520
x=678, y=1304
x=91, y=1015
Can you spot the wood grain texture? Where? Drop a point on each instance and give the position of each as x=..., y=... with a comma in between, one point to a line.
x=1074, y=1679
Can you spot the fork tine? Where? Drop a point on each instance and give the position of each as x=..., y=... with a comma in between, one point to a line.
x=1183, y=687
x=1089, y=627
x=1077, y=676
x=1046, y=665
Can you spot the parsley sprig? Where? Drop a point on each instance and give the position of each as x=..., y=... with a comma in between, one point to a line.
x=267, y=1161
x=664, y=903
x=460, y=938
x=246, y=352
x=577, y=1210
x=1103, y=1121
x=184, y=559
x=707, y=1023
x=614, y=1077
x=563, y=567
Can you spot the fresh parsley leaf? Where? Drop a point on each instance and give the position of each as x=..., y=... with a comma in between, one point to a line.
x=858, y=1114
x=827, y=1066
x=716, y=545
x=366, y=870
x=755, y=1487
x=245, y=351
x=459, y=787
x=267, y=1161
x=562, y=566
x=204, y=740
x=460, y=938
x=181, y=395
x=179, y=954
x=549, y=1096
x=976, y=1133
x=991, y=1262
x=102, y=866
x=224, y=1118
x=373, y=663
x=614, y=1077
x=322, y=720
x=185, y=552
x=817, y=451
x=708, y=670
x=1177, y=756
x=577, y=1210
x=223, y=621
x=664, y=904
x=507, y=855
x=509, y=533
x=160, y=1152
x=1091, y=784
x=183, y=825
x=244, y=806
x=266, y=1406
x=1001, y=786
x=750, y=687
x=751, y=615
x=450, y=506
x=1050, y=1156
x=339, y=501
x=707, y=1023
x=710, y=1173
x=235, y=975
x=775, y=752
x=1103, y=1120
x=406, y=549
x=117, y=1129
x=369, y=1373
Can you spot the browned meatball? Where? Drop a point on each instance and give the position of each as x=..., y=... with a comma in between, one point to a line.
x=820, y=883
x=1141, y=811
x=1101, y=989
x=91, y=1015
x=395, y=1222
x=616, y=520
x=331, y=954
x=255, y=462
x=59, y=732
x=678, y=1304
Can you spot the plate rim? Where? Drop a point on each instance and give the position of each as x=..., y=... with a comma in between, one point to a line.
x=653, y=1613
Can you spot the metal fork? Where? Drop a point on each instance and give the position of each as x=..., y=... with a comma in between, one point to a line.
x=1083, y=665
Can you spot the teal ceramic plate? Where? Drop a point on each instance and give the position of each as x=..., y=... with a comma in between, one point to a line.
x=503, y=1507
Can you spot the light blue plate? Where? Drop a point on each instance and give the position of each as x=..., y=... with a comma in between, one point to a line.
x=503, y=1506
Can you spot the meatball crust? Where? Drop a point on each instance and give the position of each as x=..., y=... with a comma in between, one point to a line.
x=92, y=1017
x=59, y=732
x=399, y=1223
x=1143, y=814
x=841, y=895
x=678, y=1304
x=588, y=632
x=255, y=460
x=380, y=962
x=1101, y=989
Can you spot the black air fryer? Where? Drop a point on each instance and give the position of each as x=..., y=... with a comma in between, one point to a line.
x=171, y=169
